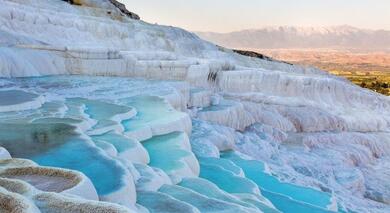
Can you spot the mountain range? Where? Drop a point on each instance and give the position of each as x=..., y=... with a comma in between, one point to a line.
x=289, y=37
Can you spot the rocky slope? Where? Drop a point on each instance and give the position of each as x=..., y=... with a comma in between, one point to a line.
x=209, y=131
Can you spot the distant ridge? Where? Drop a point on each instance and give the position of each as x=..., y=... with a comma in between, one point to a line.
x=287, y=37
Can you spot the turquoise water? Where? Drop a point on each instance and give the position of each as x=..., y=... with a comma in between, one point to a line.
x=224, y=104
x=227, y=180
x=157, y=202
x=104, y=124
x=100, y=110
x=150, y=110
x=12, y=97
x=53, y=141
x=218, y=107
x=51, y=108
x=261, y=204
x=209, y=189
x=201, y=202
x=166, y=151
x=226, y=164
x=288, y=205
x=120, y=142
x=272, y=187
x=47, y=109
x=58, y=145
x=74, y=110
x=53, y=120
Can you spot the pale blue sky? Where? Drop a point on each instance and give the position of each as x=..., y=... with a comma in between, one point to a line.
x=231, y=15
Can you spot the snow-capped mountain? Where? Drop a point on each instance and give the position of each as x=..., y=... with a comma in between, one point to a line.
x=102, y=112
x=338, y=37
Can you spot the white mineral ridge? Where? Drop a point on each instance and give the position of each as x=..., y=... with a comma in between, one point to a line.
x=84, y=189
x=4, y=154
x=308, y=127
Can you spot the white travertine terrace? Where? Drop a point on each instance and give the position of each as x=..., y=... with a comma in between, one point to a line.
x=4, y=154
x=18, y=100
x=43, y=189
x=154, y=145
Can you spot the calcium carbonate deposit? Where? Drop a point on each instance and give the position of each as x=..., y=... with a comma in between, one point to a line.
x=102, y=112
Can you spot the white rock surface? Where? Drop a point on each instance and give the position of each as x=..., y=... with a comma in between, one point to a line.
x=311, y=128
x=4, y=154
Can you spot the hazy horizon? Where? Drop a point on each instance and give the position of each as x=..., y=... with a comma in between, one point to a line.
x=294, y=26
x=254, y=14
